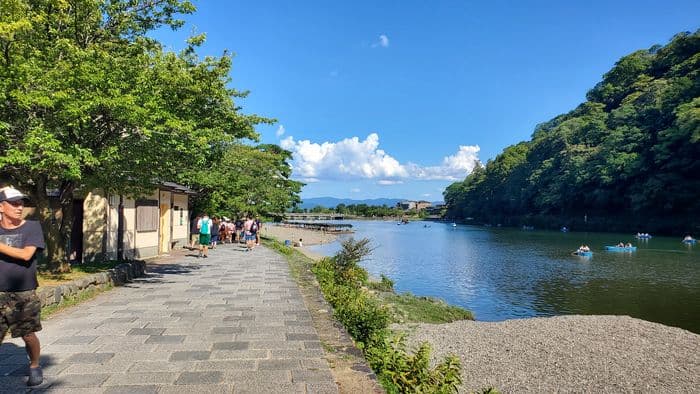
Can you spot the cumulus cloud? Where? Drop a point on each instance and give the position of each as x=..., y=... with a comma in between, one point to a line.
x=280, y=131
x=352, y=159
x=383, y=41
x=452, y=168
x=346, y=159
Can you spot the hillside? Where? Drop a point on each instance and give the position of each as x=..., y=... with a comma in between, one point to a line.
x=626, y=159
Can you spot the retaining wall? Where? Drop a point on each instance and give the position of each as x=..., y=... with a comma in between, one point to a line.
x=117, y=276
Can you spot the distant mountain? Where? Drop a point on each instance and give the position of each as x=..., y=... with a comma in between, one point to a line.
x=332, y=202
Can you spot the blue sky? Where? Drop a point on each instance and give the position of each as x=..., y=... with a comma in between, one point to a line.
x=397, y=98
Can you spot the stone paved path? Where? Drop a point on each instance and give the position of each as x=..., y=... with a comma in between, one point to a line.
x=232, y=323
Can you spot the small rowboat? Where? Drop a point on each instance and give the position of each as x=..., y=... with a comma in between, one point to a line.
x=690, y=241
x=621, y=248
x=584, y=254
x=643, y=236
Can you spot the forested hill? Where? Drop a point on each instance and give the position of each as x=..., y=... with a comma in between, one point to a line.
x=626, y=159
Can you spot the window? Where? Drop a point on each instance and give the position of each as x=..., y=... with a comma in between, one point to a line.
x=147, y=215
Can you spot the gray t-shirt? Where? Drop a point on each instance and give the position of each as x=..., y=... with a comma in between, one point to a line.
x=15, y=274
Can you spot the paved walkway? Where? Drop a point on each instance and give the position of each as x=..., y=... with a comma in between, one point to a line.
x=232, y=323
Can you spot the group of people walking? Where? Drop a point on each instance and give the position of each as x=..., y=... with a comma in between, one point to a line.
x=208, y=232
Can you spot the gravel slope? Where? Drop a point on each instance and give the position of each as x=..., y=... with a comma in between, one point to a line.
x=568, y=354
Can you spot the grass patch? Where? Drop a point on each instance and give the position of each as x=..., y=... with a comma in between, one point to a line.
x=407, y=308
x=68, y=302
x=78, y=271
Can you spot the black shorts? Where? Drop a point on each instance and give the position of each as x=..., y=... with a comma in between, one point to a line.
x=19, y=313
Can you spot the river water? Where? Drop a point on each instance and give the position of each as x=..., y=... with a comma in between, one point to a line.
x=501, y=273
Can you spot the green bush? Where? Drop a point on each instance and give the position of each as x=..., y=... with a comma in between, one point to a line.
x=401, y=372
x=362, y=315
x=366, y=319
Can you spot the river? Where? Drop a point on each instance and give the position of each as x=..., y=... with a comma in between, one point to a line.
x=504, y=273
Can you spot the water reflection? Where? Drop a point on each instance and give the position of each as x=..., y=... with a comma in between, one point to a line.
x=505, y=273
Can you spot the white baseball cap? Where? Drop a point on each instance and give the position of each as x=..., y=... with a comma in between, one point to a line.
x=11, y=194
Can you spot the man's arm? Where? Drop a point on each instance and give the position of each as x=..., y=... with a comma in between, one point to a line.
x=24, y=253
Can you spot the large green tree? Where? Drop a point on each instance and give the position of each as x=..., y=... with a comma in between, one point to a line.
x=88, y=99
x=241, y=179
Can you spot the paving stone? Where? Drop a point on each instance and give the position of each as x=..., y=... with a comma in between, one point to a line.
x=141, y=378
x=190, y=356
x=161, y=366
x=77, y=339
x=89, y=358
x=233, y=346
x=146, y=331
x=205, y=377
x=165, y=339
x=82, y=380
x=308, y=375
x=226, y=365
x=131, y=389
x=321, y=388
x=280, y=364
x=302, y=337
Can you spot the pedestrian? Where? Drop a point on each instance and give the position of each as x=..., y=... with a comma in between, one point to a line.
x=215, y=224
x=21, y=242
x=204, y=228
x=258, y=227
x=249, y=229
x=194, y=233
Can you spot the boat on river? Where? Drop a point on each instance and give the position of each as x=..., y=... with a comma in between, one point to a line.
x=690, y=241
x=583, y=254
x=643, y=236
x=612, y=248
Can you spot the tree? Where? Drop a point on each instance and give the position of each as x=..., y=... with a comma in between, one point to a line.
x=87, y=99
x=246, y=179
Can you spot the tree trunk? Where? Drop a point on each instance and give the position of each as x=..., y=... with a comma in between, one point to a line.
x=51, y=223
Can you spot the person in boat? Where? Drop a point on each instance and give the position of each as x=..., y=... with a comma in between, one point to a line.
x=586, y=248
x=629, y=245
x=688, y=238
x=621, y=245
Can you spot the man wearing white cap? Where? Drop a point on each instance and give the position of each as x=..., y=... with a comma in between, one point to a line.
x=20, y=243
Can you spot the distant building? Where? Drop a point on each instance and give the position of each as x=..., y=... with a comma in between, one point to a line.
x=406, y=205
x=416, y=205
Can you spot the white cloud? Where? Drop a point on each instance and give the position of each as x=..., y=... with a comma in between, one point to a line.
x=355, y=190
x=386, y=182
x=426, y=194
x=452, y=168
x=351, y=159
x=280, y=131
x=383, y=41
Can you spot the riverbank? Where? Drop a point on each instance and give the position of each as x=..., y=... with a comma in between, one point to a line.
x=293, y=234
x=567, y=354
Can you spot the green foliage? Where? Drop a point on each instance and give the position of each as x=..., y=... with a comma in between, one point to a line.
x=89, y=100
x=342, y=281
x=401, y=372
x=629, y=153
x=385, y=284
x=407, y=308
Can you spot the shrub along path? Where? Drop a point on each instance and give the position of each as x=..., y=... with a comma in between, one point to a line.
x=234, y=322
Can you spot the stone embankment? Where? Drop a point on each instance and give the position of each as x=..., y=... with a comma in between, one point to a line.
x=117, y=276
